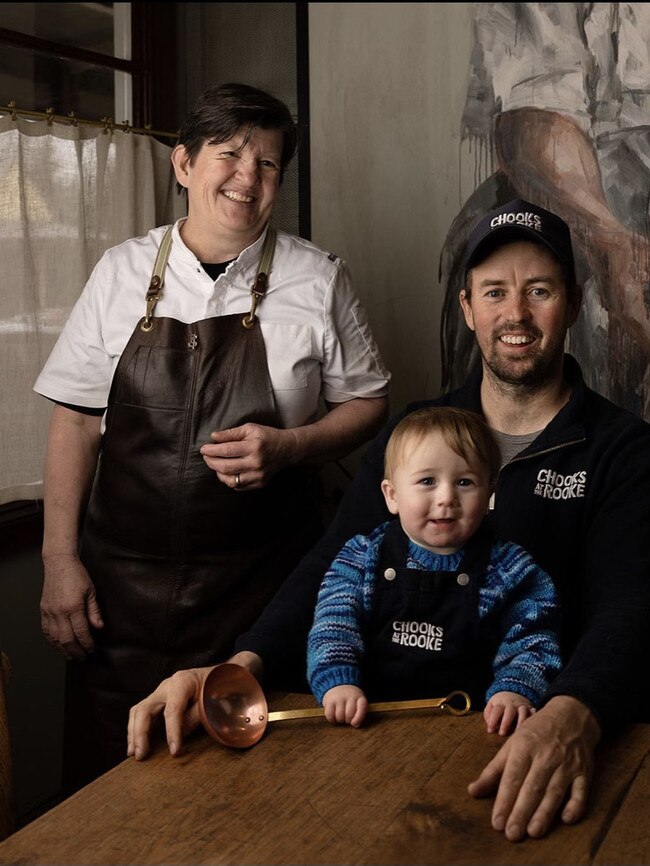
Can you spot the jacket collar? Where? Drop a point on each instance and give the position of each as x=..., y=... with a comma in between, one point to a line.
x=246, y=261
x=567, y=426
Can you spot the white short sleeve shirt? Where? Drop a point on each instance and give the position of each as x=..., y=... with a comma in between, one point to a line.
x=316, y=333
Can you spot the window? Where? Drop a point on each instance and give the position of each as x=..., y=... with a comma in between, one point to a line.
x=94, y=59
x=91, y=59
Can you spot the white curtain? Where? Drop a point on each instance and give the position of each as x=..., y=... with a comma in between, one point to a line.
x=66, y=194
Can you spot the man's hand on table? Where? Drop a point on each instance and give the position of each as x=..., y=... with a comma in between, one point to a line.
x=548, y=759
x=177, y=699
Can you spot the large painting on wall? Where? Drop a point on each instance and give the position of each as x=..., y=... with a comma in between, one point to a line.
x=558, y=113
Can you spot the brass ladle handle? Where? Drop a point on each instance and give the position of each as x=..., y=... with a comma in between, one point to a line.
x=385, y=707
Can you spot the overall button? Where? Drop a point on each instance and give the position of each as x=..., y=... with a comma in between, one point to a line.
x=390, y=574
x=462, y=579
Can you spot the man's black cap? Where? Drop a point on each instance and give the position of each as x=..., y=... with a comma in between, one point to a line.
x=520, y=220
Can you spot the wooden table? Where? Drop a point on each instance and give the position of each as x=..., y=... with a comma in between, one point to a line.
x=392, y=792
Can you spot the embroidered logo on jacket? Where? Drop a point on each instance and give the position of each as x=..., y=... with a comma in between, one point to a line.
x=419, y=634
x=554, y=485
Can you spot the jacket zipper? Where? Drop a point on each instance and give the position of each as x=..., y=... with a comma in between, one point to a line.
x=529, y=457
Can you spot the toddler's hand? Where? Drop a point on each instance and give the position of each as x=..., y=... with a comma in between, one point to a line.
x=345, y=704
x=505, y=708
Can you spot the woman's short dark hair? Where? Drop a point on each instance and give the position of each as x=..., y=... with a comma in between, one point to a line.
x=221, y=111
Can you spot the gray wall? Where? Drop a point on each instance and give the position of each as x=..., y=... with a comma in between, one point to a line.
x=387, y=89
x=252, y=43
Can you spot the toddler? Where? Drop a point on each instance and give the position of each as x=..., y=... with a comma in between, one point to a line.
x=431, y=602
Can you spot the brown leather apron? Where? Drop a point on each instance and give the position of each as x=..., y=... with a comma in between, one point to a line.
x=182, y=563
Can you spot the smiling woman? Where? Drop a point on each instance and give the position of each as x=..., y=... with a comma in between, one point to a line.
x=232, y=187
x=187, y=382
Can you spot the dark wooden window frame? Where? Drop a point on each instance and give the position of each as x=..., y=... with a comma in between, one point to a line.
x=152, y=67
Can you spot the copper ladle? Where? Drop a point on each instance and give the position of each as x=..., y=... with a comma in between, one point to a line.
x=234, y=711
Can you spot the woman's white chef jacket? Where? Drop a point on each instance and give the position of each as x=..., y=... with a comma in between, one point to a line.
x=316, y=333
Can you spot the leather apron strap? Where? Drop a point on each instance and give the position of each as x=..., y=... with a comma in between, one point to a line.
x=154, y=292
x=258, y=289
x=261, y=283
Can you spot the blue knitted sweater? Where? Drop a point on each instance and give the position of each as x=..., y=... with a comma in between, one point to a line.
x=515, y=594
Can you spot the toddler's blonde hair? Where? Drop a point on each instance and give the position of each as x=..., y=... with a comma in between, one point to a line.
x=465, y=432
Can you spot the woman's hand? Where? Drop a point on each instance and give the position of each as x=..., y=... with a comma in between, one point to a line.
x=68, y=606
x=247, y=457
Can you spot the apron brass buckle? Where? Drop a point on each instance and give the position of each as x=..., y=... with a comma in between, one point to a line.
x=152, y=298
x=258, y=290
x=249, y=320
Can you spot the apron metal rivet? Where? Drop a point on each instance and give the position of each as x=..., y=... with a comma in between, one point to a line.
x=462, y=579
x=390, y=574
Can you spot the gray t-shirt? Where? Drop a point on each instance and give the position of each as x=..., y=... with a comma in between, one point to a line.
x=510, y=445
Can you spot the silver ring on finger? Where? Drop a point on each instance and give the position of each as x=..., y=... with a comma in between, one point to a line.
x=237, y=482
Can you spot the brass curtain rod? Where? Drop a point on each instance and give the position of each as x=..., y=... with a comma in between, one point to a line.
x=72, y=120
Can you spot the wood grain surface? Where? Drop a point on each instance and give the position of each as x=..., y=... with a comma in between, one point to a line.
x=392, y=792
